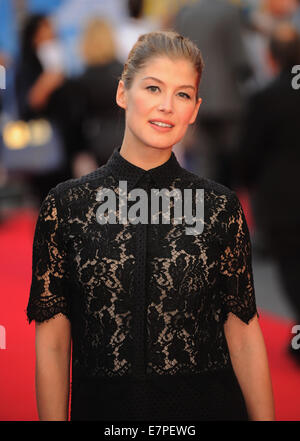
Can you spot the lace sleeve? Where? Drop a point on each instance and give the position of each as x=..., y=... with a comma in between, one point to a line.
x=48, y=294
x=237, y=285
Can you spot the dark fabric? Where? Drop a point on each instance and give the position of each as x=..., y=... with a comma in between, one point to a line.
x=101, y=120
x=147, y=302
x=99, y=83
x=268, y=164
x=288, y=272
x=27, y=73
x=207, y=397
x=220, y=135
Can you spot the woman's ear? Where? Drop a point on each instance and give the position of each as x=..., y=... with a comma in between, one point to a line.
x=121, y=95
x=195, y=112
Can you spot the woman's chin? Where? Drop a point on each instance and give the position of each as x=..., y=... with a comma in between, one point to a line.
x=162, y=145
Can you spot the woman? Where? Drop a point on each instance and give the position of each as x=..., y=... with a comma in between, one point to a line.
x=100, y=122
x=35, y=84
x=39, y=84
x=163, y=321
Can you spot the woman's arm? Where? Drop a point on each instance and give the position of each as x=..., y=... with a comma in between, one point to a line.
x=42, y=89
x=250, y=363
x=53, y=349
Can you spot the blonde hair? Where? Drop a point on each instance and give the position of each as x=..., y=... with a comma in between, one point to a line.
x=161, y=43
x=98, y=43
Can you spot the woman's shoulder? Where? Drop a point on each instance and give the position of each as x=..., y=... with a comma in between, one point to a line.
x=221, y=203
x=211, y=187
x=73, y=188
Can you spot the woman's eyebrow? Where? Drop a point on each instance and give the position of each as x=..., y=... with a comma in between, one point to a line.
x=159, y=81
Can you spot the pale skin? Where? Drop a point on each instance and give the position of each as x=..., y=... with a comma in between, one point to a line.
x=159, y=97
x=52, y=372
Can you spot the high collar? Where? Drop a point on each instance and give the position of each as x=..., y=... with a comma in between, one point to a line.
x=124, y=170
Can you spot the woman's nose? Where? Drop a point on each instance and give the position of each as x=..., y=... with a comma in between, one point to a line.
x=166, y=104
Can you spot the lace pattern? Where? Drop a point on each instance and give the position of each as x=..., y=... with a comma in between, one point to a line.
x=48, y=288
x=143, y=300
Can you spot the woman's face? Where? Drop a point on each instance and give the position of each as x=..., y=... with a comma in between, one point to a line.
x=281, y=8
x=43, y=33
x=163, y=91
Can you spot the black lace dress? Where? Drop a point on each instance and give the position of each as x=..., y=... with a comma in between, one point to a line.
x=147, y=301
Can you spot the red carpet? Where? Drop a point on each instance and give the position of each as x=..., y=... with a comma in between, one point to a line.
x=17, y=359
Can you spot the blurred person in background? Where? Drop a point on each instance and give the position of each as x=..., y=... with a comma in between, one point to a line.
x=39, y=81
x=269, y=161
x=262, y=21
x=271, y=13
x=296, y=16
x=100, y=124
x=70, y=19
x=132, y=27
x=215, y=26
x=40, y=67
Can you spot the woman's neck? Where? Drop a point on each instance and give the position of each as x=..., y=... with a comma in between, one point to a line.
x=145, y=157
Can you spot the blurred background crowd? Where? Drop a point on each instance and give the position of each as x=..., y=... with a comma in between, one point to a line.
x=59, y=118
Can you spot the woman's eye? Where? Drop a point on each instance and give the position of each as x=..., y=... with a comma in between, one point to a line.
x=185, y=95
x=152, y=88
x=181, y=94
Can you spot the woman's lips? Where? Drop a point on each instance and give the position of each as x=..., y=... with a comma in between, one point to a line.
x=159, y=128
